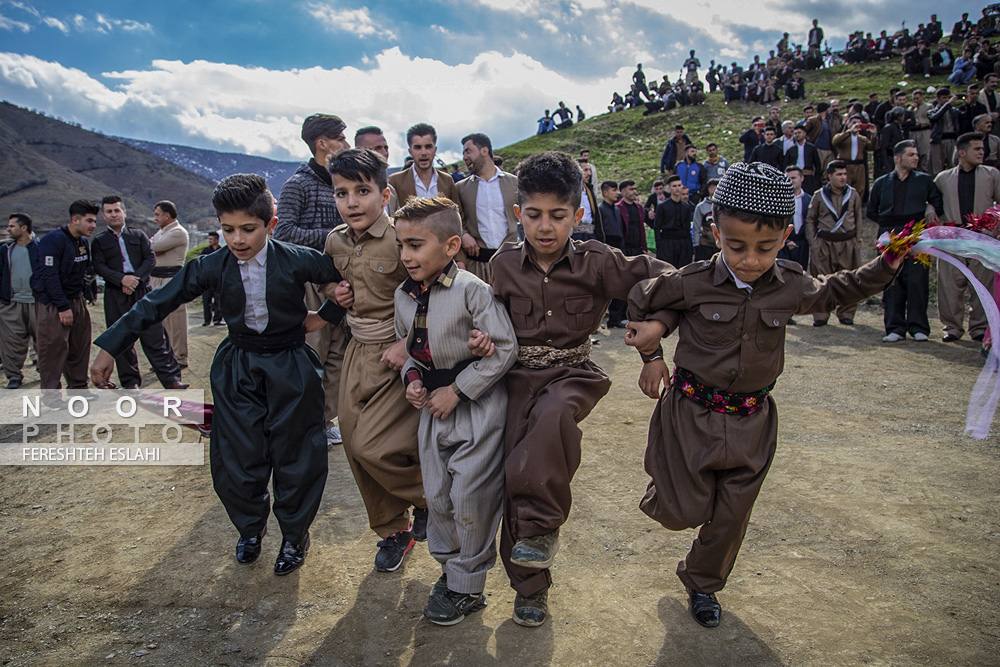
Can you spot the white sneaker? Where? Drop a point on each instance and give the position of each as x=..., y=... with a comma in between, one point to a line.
x=920, y=336
x=893, y=338
x=333, y=436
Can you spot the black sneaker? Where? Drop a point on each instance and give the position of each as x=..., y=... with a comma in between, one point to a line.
x=419, y=527
x=391, y=551
x=450, y=607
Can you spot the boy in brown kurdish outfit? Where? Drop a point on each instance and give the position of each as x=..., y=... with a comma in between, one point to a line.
x=556, y=291
x=713, y=434
x=378, y=426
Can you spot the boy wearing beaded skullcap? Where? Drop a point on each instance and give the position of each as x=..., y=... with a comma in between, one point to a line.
x=556, y=291
x=713, y=433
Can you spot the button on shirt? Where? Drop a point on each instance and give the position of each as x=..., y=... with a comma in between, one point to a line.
x=430, y=191
x=253, y=271
x=490, y=213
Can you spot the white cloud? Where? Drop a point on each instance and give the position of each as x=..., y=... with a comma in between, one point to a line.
x=354, y=21
x=57, y=24
x=101, y=23
x=216, y=105
x=12, y=24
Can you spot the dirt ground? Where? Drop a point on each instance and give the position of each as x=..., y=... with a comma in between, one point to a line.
x=875, y=541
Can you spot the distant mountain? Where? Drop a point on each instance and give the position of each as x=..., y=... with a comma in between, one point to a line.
x=45, y=164
x=216, y=165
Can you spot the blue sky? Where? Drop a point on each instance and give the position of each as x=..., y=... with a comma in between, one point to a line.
x=241, y=75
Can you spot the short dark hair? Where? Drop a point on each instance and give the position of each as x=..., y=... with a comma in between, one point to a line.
x=244, y=193
x=320, y=125
x=943, y=91
x=420, y=130
x=215, y=234
x=712, y=181
x=360, y=164
x=658, y=181
x=793, y=167
x=964, y=139
x=440, y=214
x=168, y=207
x=478, y=139
x=608, y=185
x=678, y=127
x=710, y=144
x=624, y=184
x=22, y=219
x=111, y=199
x=673, y=178
x=771, y=128
x=367, y=129
x=901, y=147
x=551, y=172
x=83, y=207
x=835, y=165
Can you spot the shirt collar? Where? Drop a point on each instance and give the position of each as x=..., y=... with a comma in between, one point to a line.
x=377, y=229
x=722, y=272
x=496, y=176
x=445, y=278
x=434, y=176
x=568, y=253
x=260, y=258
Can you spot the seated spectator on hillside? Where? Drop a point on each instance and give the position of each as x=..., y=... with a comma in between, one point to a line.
x=985, y=60
x=674, y=148
x=752, y=137
x=917, y=61
x=987, y=25
x=782, y=75
x=773, y=62
x=735, y=88
x=712, y=76
x=904, y=42
x=883, y=46
x=782, y=46
x=579, y=114
x=617, y=104
x=795, y=89
x=655, y=105
x=715, y=165
x=961, y=28
x=546, y=124
x=565, y=116
x=770, y=152
x=964, y=70
x=697, y=93
x=633, y=98
x=934, y=30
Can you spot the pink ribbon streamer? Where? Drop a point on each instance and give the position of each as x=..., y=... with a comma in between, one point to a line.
x=986, y=391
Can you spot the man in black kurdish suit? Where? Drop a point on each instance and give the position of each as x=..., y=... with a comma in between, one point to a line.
x=126, y=278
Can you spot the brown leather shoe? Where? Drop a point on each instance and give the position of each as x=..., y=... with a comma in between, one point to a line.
x=177, y=385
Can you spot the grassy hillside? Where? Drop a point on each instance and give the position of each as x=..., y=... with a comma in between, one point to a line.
x=628, y=144
x=45, y=164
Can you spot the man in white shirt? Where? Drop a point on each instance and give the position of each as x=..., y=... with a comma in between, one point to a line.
x=487, y=198
x=422, y=179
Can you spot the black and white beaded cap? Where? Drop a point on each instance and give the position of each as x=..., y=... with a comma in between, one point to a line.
x=757, y=188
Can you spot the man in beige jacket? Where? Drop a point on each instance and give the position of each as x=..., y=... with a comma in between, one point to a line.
x=971, y=187
x=170, y=245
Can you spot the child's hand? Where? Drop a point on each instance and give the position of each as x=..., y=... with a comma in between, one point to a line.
x=653, y=374
x=480, y=344
x=645, y=336
x=344, y=294
x=313, y=322
x=100, y=371
x=416, y=394
x=395, y=356
x=442, y=401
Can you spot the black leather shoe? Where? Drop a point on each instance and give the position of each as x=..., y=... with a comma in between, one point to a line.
x=13, y=383
x=419, y=528
x=248, y=550
x=704, y=608
x=979, y=338
x=949, y=338
x=847, y=321
x=291, y=557
x=819, y=323
x=178, y=384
